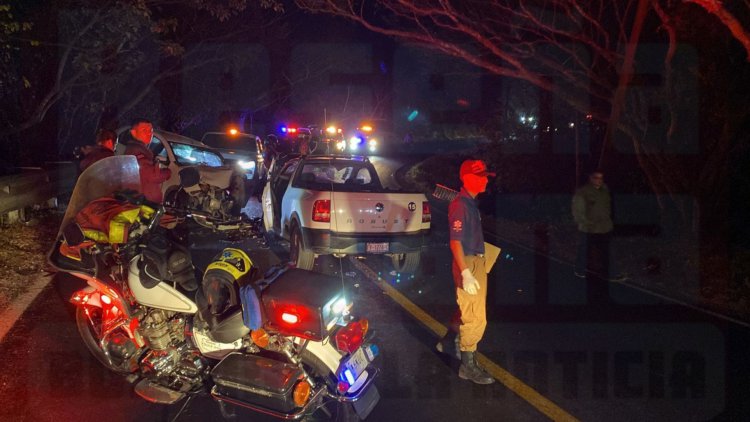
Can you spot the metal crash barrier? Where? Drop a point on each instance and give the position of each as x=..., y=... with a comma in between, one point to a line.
x=34, y=186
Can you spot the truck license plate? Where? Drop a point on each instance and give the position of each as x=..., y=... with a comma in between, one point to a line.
x=377, y=247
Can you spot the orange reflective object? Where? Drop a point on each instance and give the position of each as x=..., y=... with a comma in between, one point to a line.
x=365, y=326
x=260, y=338
x=301, y=393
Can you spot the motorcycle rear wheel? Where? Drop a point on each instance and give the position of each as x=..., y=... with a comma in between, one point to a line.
x=89, y=327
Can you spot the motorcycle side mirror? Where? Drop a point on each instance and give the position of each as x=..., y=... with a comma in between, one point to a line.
x=189, y=177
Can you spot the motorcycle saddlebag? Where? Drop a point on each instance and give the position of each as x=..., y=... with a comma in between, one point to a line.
x=257, y=381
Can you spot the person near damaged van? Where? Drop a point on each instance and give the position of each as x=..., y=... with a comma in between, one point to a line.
x=105, y=144
x=469, y=275
x=152, y=174
x=592, y=212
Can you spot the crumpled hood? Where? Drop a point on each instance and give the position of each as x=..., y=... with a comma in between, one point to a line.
x=220, y=177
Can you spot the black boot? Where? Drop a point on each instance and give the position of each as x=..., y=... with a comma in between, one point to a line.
x=470, y=371
x=449, y=344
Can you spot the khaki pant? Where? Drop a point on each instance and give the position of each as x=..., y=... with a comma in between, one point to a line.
x=473, y=308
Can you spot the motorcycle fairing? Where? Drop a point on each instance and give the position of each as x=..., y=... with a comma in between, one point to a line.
x=101, y=179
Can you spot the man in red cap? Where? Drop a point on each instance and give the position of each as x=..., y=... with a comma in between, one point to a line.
x=467, y=247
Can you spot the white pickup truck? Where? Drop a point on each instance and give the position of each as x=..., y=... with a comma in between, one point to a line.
x=337, y=205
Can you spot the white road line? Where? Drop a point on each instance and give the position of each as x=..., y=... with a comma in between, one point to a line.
x=18, y=306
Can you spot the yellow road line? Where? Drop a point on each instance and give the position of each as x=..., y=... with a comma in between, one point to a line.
x=540, y=402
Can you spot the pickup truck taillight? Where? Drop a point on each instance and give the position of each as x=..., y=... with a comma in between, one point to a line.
x=426, y=216
x=322, y=211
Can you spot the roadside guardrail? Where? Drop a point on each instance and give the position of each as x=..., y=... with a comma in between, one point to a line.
x=34, y=186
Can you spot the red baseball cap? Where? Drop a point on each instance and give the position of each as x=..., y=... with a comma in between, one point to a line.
x=475, y=167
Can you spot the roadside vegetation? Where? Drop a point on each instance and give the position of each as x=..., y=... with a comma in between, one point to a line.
x=23, y=254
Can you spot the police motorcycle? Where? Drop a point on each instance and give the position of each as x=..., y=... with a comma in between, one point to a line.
x=281, y=342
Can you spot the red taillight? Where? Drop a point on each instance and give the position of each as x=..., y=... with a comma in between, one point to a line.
x=289, y=318
x=322, y=211
x=343, y=387
x=351, y=337
x=426, y=216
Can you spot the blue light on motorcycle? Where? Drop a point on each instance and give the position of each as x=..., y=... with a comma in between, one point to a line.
x=349, y=377
x=372, y=352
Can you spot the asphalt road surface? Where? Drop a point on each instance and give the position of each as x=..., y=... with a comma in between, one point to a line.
x=564, y=346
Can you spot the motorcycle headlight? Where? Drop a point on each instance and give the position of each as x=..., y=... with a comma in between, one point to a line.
x=246, y=165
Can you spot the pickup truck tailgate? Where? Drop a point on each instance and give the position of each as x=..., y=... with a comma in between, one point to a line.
x=365, y=212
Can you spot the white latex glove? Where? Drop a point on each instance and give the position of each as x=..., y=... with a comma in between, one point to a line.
x=470, y=283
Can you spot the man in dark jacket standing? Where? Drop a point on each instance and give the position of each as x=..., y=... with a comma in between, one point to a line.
x=592, y=212
x=152, y=175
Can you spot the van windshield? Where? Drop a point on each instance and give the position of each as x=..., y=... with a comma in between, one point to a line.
x=194, y=155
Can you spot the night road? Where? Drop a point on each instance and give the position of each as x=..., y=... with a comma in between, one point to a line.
x=560, y=349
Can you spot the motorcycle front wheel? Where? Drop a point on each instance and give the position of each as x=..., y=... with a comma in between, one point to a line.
x=89, y=326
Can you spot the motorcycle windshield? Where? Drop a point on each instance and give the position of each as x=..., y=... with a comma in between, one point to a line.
x=101, y=179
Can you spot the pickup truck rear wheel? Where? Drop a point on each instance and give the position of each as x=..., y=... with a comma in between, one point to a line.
x=303, y=258
x=406, y=262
